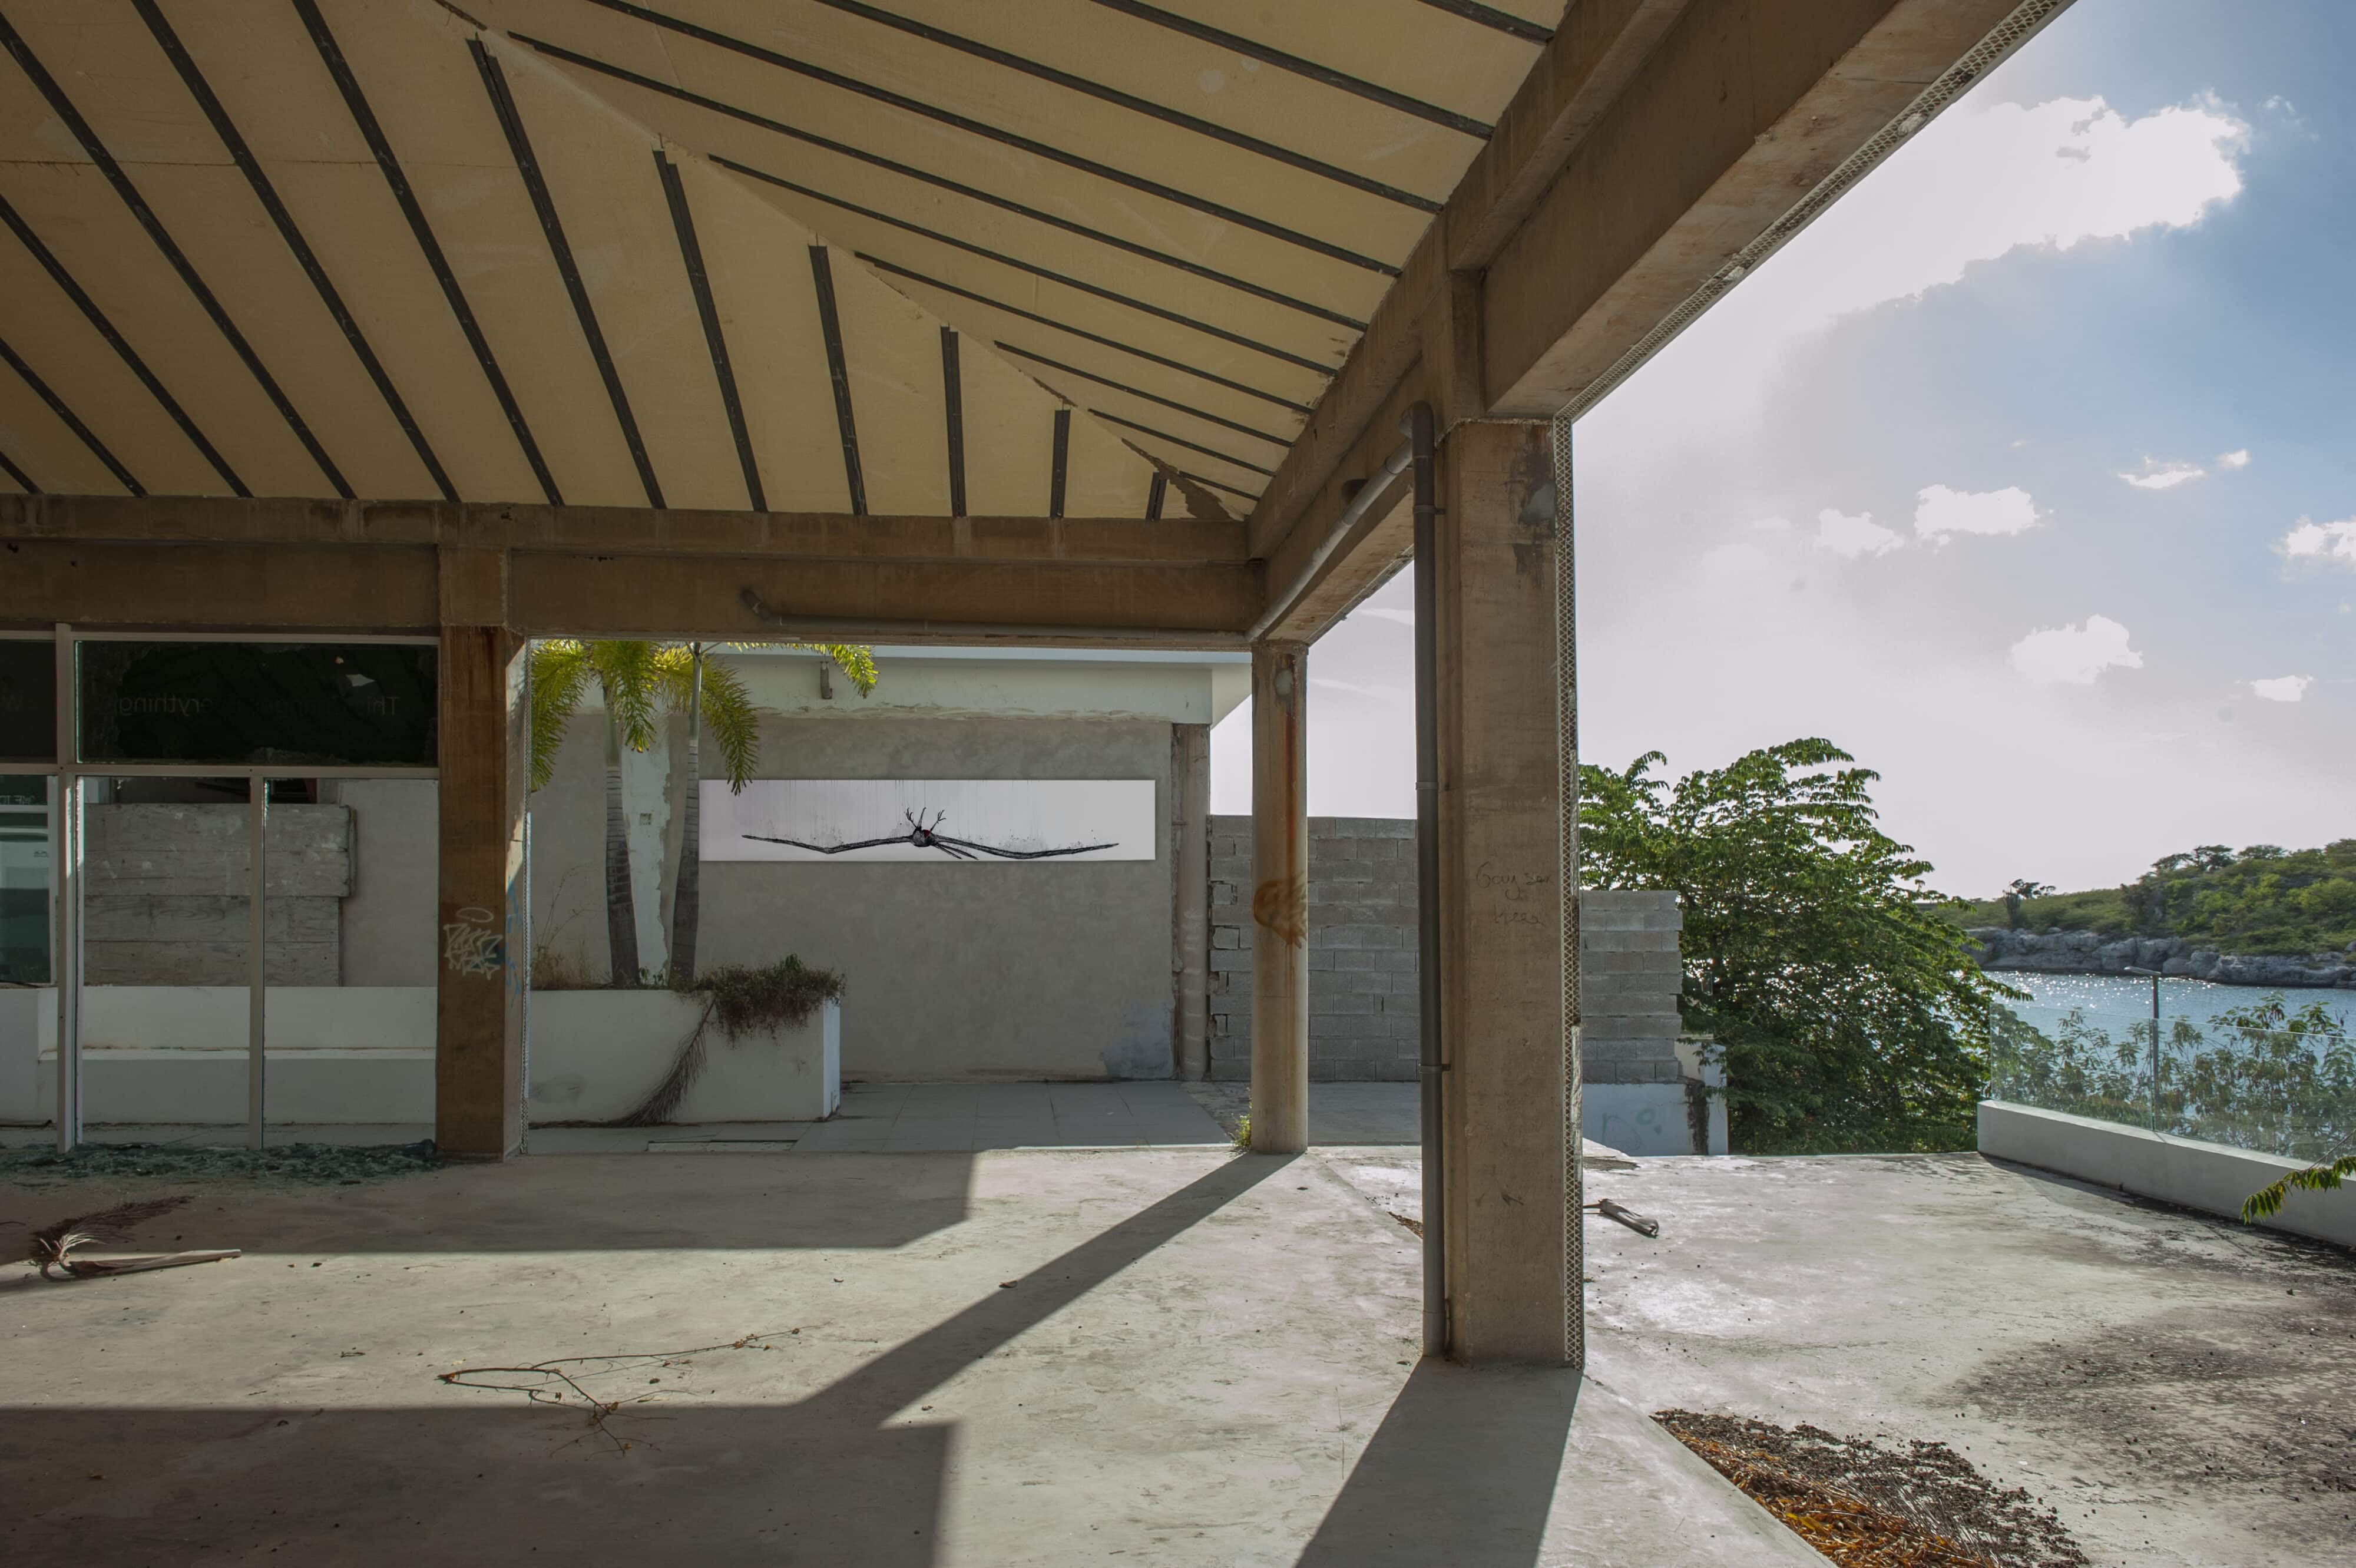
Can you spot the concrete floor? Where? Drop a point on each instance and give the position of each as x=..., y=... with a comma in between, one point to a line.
x=1166, y=1355
x=2182, y=1390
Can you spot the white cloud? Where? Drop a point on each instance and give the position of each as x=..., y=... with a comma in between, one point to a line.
x=1776, y=525
x=1850, y=537
x=2157, y=475
x=2240, y=459
x=2310, y=541
x=1388, y=694
x=2074, y=655
x=1383, y=612
x=2283, y=688
x=1941, y=511
x=1994, y=178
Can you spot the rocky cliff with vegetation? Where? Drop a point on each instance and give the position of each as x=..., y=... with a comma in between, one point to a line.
x=2264, y=916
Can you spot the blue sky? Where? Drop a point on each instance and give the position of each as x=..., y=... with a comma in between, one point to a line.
x=2017, y=475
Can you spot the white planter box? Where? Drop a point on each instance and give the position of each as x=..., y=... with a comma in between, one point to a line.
x=596, y=1054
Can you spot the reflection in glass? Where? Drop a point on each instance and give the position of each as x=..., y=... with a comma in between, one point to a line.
x=351, y=704
x=26, y=865
x=28, y=701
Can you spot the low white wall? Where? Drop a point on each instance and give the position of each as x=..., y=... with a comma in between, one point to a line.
x=2212, y=1177
x=1646, y=1119
x=176, y=1055
x=596, y=1054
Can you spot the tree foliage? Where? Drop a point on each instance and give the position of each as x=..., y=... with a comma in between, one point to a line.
x=1849, y=1015
x=2264, y=900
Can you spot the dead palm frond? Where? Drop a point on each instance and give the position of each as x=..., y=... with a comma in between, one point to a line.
x=52, y=1243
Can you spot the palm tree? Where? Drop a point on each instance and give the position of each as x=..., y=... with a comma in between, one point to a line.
x=637, y=680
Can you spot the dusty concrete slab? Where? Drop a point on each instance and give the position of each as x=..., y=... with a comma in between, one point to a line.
x=1165, y=1356
x=2179, y=1388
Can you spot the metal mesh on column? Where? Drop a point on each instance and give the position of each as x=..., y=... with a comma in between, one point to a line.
x=1565, y=687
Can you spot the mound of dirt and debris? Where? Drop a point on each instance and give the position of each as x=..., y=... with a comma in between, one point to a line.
x=321, y=1164
x=1865, y=1506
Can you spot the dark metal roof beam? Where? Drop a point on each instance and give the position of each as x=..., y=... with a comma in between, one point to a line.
x=267, y=194
x=1059, y=463
x=1156, y=496
x=1186, y=408
x=503, y=105
x=690, y=253
x=1179, y=441
x=1490, y=17
x=130, y=356
x=331, y=54
x=1252, y=48
x=65, y=110
x=1052, y=275
x=907, y=104
x=1130, y=102
x=57, y=406
x=953, y=406
x=896, y=269
x=23, y=481
x=838, y=368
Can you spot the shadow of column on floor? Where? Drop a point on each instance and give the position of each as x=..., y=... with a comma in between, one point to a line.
x=822, y=1480
x=1462, y=1471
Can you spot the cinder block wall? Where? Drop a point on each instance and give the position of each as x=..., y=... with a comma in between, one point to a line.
x=1362, y=961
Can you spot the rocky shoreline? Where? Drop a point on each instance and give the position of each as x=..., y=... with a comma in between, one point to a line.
x=2096, y=952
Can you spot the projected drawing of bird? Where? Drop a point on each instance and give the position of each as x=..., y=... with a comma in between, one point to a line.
x=924, y=835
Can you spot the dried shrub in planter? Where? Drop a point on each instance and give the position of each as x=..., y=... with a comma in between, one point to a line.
x=741, y=999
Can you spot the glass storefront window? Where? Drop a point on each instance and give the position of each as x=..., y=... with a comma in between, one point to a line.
x=330, y=704
x=28, y=701
x=27, y=861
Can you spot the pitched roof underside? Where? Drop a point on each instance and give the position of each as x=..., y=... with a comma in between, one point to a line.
x=1036, y=257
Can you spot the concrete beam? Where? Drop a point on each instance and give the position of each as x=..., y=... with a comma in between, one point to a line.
x=209, y=563
x=1654, y=144
x=484, y=951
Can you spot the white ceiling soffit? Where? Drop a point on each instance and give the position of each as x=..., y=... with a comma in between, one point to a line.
x=1073, y=257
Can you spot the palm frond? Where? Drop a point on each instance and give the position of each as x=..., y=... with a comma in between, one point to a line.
x=855, y=662
x=732, y=722
x=629, y=676
x=560, y=673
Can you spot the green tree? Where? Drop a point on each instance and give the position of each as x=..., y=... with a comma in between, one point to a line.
x=636, y=682
x=2019, y=889
x=1850, y=1016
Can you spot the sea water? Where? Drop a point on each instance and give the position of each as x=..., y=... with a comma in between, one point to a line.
x=2114, y=1003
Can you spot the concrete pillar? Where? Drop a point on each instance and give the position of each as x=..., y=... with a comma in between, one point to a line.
x=1190, y=892
x=1279, y=1041
x=485, y=951
x=1509, y=1150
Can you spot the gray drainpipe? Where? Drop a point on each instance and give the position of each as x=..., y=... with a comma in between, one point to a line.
x=1418, y=428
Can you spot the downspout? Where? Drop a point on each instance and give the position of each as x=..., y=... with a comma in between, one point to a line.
x=1418, y=428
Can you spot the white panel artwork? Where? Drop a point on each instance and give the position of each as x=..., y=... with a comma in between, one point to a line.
x=999, y=821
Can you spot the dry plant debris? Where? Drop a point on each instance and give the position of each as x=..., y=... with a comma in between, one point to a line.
x=1865, y=1506
x=561, y=1381
x=326, y=1163
x=53, y=1245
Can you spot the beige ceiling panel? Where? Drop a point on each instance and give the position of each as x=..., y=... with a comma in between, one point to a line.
x=95, y=238
x=761, y=284
x=262, y=65
x=1073, y=307
x=1103, y=477
x=602, y=176
x=1179, y=425
x=108, y=65
x=988, y=326
x=1236, y=487
x=893, y=350
x=1010, y=436
x=213, y=215
x=1007, y=100
x=909, y=139
x=1175, y=70
x=1281, y=329
x=67, y=351
x=1403, y=44
x=51, y=455
x=424, y=89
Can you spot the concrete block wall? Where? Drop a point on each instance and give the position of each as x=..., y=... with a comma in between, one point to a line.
x=1362, y=962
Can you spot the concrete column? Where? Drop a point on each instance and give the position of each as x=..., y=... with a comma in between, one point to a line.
x=1510, y=1156
x=1280, y=1043
x=484, y=904
x=1190, y=891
